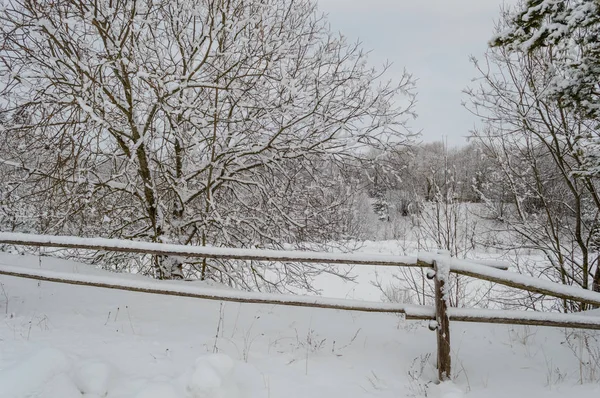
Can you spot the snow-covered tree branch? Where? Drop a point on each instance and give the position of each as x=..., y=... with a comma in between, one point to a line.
x=211, y=122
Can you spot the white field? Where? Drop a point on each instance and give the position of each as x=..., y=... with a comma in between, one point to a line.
x=63, y=341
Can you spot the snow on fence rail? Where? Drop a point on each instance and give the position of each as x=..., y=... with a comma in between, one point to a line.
x=487, y=270
x=512, y=279
x=120, y=245
x=414, y=312
x=441, y=264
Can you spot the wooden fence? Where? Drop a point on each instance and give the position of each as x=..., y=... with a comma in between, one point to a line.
x=440, y=266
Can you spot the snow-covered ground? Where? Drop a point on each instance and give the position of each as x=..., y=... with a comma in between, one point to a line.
x=63, y=341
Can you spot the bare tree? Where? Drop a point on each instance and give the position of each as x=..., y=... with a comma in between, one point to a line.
x=533, y=140
x=189, y=121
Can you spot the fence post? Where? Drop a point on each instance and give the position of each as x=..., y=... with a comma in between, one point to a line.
x=443, y=323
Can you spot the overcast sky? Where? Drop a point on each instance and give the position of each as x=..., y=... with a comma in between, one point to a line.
x=433, y=40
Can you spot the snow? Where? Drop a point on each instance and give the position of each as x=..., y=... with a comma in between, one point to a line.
x=93, y=378
x=190, y=290
x=503, y=265
x=60, y=340
x=449, y=390
x=48, y=373
x=158, y=390
x=470, y=268
x=204, y=251
x=546, y=317
x=180, y=289
x=212, y=377
x=33, y=373
x=93, y=277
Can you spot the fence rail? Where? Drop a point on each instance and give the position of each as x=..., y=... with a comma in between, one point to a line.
x=413, y=312
x=440, y=264
x=164, y=249
x=511, y=279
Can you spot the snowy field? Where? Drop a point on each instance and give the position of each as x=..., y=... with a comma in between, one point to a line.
x=63, y=341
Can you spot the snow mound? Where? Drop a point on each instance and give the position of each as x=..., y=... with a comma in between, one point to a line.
x=49, y=373
x=211, y=377
x=34, y=373
x=93, y=378
x=61, y=386
x=159, y=390
x=447, y=390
